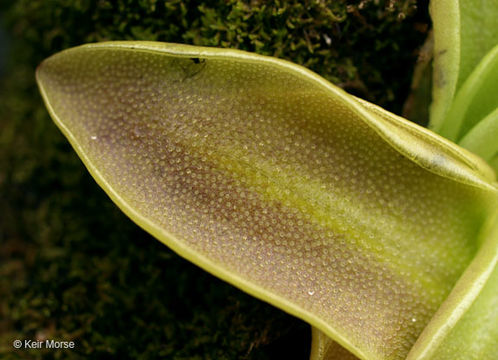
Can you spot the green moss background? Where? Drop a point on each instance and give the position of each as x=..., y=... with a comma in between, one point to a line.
x=72, y=266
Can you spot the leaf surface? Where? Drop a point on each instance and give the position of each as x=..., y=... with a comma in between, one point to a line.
x=450, y=334
x=483, y=138
x=464, y=32
x=475, y=337
x=324, y=348
x=466, y=325
x=271, y=178
x=475, y=100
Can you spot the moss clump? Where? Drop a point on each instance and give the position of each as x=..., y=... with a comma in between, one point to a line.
x=74, y=267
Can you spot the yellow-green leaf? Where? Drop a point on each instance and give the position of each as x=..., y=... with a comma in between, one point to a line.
x=475, y=336
x=483, y=138
x=323, y=348
x=476, y=99
x=271, y=178
x=466, y=325
x=450, y=335
x=464, y=31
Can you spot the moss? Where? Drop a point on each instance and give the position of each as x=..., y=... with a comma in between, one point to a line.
x=72, y=265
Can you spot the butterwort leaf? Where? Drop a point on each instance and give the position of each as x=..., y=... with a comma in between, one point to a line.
x=466, y=325
x=476, y=99
x=464, y=32
x=276, y=181
x=475, y=336
x=324, y=348
x=483, y=139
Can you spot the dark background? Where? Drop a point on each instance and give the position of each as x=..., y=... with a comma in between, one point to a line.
x=72, y=266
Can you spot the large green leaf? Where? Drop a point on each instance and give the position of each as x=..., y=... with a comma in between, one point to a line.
x=483, y=138
x=475, y=100
x=464, y=32
x=466, y=325
x=475, y=336
x=324, y=348
x=271, y=178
